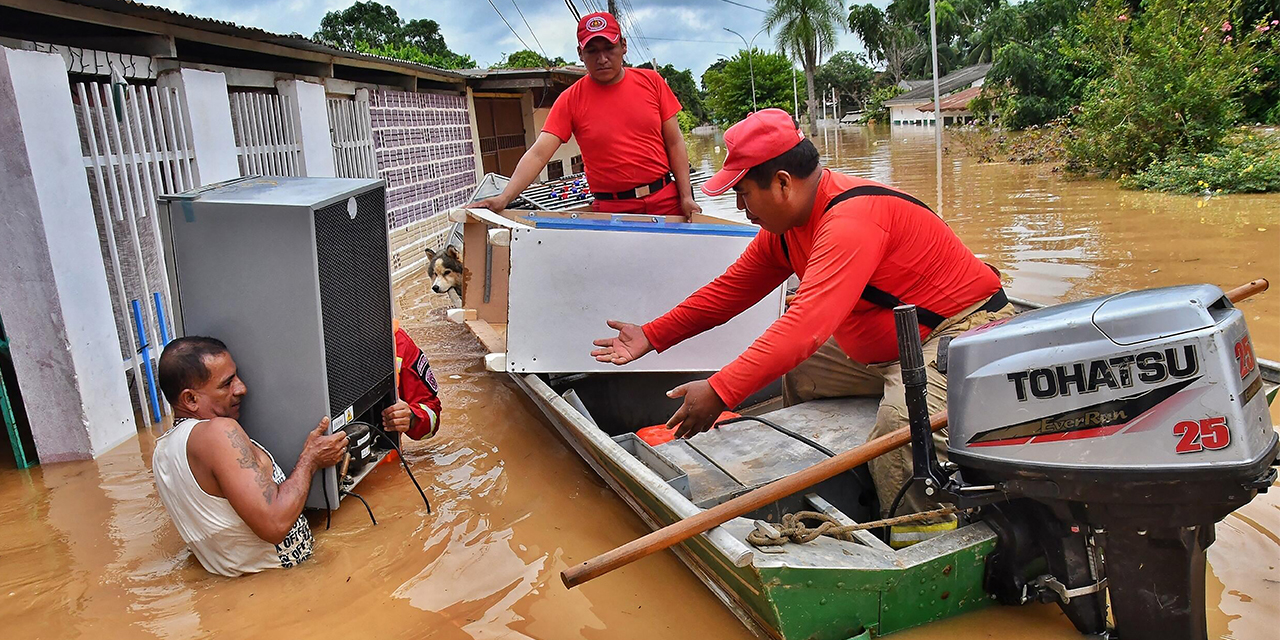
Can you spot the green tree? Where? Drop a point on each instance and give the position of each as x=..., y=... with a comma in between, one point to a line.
x=1262, y=99
x=875, y=102
x=896, y=46
x=806, y=31
x=424, y=34
x=369, y=23
x=1034, y=77
x=899, y=36
x=686, y=89
x=851, y=79
x=728, y=85
x=527, y=59
x=411, y=53
x=370, y=27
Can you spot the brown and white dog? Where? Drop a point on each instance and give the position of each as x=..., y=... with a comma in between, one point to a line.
x=445, y=270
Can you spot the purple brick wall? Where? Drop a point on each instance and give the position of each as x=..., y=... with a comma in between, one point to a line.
x=422, y=143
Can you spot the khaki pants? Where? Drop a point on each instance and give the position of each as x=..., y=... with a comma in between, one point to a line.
x=829, y=373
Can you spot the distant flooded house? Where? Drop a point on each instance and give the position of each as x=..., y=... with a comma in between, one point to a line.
x=909, y=108
x=955, y=107
x=110, y=104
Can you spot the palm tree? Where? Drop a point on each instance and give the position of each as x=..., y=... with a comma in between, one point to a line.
x=806, y=31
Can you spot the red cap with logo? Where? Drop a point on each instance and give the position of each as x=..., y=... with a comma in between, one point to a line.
x=598, y=25
x=761, y=136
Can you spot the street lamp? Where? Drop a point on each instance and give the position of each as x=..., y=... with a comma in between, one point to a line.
x=750, y=65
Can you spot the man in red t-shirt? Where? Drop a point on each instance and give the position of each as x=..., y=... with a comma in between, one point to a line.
x=625, y=122
x=859, y=248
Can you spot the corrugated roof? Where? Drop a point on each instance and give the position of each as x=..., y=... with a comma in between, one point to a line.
x=293, y=40
x=956, y=101
x=958, y=79
x=494, y=73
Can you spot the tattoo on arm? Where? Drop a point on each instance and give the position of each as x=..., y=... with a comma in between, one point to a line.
x=248, y=460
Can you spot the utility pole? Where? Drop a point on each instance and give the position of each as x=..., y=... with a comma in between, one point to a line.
x=795, y=95
x=613, y=7
x=937, y=101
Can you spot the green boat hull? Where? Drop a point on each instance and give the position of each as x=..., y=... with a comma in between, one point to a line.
x=830, y=590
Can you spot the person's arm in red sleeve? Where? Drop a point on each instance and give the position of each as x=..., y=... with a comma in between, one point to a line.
x=677, y=151
x=417, y=388
x=760, y=269
x=846, y=251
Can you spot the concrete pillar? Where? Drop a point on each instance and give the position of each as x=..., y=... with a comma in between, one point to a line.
x=205, y=101
x=53, y=285
x=311, y=113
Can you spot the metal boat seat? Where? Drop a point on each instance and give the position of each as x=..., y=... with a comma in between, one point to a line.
x=735, y=457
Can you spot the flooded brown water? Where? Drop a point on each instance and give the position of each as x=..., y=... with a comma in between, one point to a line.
x=86, y=550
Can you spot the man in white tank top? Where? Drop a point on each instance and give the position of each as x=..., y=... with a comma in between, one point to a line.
x=227, y=497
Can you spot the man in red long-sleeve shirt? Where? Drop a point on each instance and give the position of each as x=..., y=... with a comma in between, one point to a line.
x=859, y=248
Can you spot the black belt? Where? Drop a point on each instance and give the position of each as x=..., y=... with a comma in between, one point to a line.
x=631, y=193
x=926, y=317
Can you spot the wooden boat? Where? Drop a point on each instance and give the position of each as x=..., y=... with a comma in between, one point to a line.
x=539, y=287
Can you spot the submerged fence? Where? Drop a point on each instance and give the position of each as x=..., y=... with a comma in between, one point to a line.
x=136, y=147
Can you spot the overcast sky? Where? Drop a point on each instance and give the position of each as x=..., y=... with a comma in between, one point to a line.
x=657, y=28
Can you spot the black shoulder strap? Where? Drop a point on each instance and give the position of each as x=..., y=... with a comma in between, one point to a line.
x=871, y=294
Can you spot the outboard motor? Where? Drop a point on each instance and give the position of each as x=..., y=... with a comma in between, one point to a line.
x=1102, y=440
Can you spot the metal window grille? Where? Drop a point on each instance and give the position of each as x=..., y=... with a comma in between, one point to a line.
x=136, y=147
x=266, y=134
x=352, y=138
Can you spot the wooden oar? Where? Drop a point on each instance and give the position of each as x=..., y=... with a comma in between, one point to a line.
x=678, y=532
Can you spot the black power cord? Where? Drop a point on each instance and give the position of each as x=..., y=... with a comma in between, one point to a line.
x=362, y=501
x=401, y=456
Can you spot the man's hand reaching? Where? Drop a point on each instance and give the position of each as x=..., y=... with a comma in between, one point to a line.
x=629, y=344
x=496, y=203
x=702, y=406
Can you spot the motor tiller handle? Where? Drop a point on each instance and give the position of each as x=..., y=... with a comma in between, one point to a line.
x=915, y=379
x=682, y=530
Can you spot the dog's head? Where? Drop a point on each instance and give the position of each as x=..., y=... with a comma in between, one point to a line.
x=445, y=269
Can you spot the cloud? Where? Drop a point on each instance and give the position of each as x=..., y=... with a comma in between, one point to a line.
x=685, y=33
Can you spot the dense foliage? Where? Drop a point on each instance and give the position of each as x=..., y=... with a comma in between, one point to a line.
x=728, y=85
x=1169, y=81
x=370, y=27
x=1033, y=78
x=898, y=37
x=1250, y=164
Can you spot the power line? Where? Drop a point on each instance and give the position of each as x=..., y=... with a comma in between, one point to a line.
x=687, y=40
x=535, y=36
x=635, y=26
x=573, y=10
x=504, y=21
x=745, y=6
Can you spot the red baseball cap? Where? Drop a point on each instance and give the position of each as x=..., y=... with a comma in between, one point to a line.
x=598, y=25
x=761, y=136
